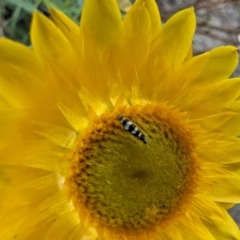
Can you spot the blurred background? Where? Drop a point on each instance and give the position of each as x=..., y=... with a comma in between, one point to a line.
x=218, y=24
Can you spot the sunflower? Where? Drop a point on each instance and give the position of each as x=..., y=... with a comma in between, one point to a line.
x=114, y=131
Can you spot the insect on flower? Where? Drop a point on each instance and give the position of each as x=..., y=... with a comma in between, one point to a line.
x=47, y=13
x=43, y=9
x=130, y=127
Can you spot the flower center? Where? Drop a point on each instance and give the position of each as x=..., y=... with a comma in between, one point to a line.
x=134, y=168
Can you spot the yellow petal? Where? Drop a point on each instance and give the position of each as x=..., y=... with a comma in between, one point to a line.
x=235, y=105
x=232, y=126
x=18, y=55
x=214, y=122
x=66, y=223
x=193, y=225
x=223, y=186
x=66, y=25
x=9, y=119
x=52, y=47
x=153, y=13
x=202, y=206
x=136, y=36
x=102, y=19
x=189, y=54
x=209, y=98
x=141, y=24
x=12, y=176
x=43, y=210
x=173, y=50
x=177, y=80
x=226, y=152
x=38, y=233
x=200, y=70
x=227, y=205
x=16, y=61
x=233, y=167
x=222, y=229
x=63, y=137
x=33, y=153
x=221, y=63
x=22, y=194
x=65, y=91
x=77, y=122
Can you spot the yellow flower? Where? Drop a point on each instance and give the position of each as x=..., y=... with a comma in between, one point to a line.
x=114, y=131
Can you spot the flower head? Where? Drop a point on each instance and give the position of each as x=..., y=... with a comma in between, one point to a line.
x=113, y=130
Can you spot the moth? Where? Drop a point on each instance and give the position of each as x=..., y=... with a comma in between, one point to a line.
x=131, y=128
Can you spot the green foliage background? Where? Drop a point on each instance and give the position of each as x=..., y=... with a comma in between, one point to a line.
x=16, y=15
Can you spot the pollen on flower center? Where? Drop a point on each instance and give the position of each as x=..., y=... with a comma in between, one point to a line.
x=117, y=181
